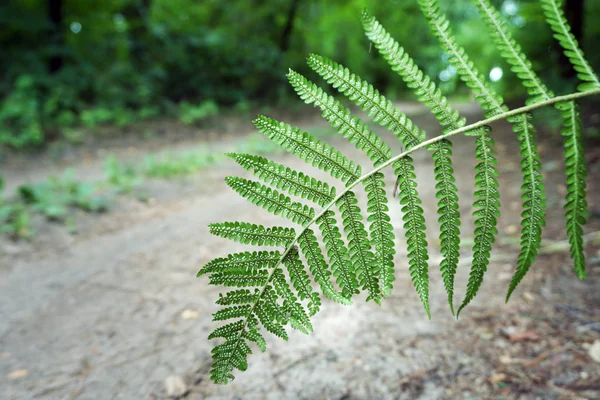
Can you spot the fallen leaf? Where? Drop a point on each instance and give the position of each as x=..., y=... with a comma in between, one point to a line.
x=496, y=378
x=594, y=351
x=18, y=374
x=522, y=336
x=528, y=296
x=189, y=314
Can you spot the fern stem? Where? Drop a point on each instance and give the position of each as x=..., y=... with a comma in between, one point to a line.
x=504, y=115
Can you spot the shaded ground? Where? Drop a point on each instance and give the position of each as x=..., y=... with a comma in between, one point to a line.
x=111, y=312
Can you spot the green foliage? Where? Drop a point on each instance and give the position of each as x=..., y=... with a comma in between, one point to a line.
x=122, y=176
x=190, y=114
x=361, y=258
x=533, y=189
x=14, y=218
x=20, y=124
x=576, y=206
x=54, y=196
x=170, y=165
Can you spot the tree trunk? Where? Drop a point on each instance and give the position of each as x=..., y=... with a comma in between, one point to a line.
x=55, y=14
x=286, y=34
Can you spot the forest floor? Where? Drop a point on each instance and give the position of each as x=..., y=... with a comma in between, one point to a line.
x=115, y=311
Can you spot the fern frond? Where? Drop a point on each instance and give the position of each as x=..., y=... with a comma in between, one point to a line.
x=364, y=95
x=257, y=235
x=533, y=215
x=381, y=230
x=414, y=226
x=318, y=267
x=282, y=177
x=309, y=149
x=511, y=52
x=576, y=207
x=349, y=126
x=338, y=254
x=361, y=256
x=272, y=299
x=562, y=32
x=271, y=200
x=486, y=211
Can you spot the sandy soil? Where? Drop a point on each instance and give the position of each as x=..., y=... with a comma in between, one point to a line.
x=112, y=312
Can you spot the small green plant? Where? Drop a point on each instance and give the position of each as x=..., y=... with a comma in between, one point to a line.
x=190, y=114
x=122, y=176
x=19, y=115
x=55, y=197
x=361, y=258
x=169, y=165
x=14, y=218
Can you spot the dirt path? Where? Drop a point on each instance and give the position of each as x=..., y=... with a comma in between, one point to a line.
x=112, y=312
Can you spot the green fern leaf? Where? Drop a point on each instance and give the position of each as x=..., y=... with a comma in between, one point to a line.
x=486, y=211
x=228, y=331
x=367, y=262
x=271, y=200
x=282, y=177
x=562, y=32
x=382, y=231
x=318, y=267
x=533, y=189
x=338, y=255
x=349, y=126
x=576, y=207
x=414, y=225
x=534, y=199
x=309, y=149
x=232, y=312
x=238, y=296
x=257, y=235
x=239, y=278
x=361, y=256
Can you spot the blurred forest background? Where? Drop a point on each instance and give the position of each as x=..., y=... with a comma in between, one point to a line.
x=76, y=63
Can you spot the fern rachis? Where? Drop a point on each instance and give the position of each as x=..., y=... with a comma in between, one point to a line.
x=274, y=289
